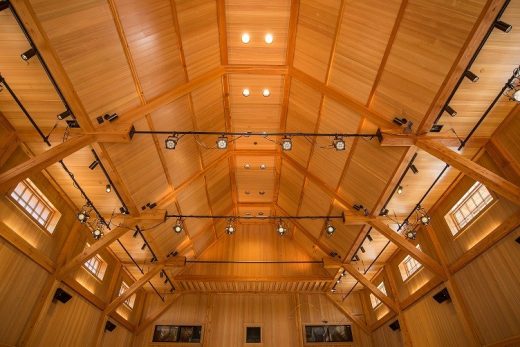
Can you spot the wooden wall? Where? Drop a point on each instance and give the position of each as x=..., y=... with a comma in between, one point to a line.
x=225, y=316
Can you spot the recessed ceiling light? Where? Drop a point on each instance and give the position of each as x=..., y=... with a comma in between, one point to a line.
x=261, y=192
x=263, y=166
x=247, y=166
x=246, y=92
x=268, y=38
x=246, y=38
x=266, y=92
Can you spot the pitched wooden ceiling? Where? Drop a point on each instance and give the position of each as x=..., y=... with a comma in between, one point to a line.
x=334, y=66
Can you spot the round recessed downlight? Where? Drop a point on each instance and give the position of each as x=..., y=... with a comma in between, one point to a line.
x=266, y=92
x=246, y=92
x=246, y=38
x=268, y=38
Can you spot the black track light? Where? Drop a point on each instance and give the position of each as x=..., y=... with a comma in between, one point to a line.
x=414, y=169
x=28, y=54
x=471, y=76
x=143, y=246
x=110, y=117
x=400, y=190
x=108, y=188
x=339, y=143
x=355, y=257
x=503, y=26
x=135, y=233
x=64, y=115
x=358, y=207
x=369, y=237
x=400, y=121
x=153, y=260
x=450, y=111
x=123, y=210
x=384, y=212
x=165, y=280
x=362, y=249
x=171, y=141
x=333, y=290
x=230, y=228
x=93, y=165
x=222, y=142
x=286, y=143
x=161, y=274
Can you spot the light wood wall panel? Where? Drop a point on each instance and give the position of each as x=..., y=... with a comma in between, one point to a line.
x=432, y=324
x=491, y=286
x=22, y=281
x=120, y=337
x=386, y=337
x=69, y=324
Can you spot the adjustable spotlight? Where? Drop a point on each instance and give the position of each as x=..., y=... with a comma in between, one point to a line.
x=362, y=249
x=400, y=190
x=64, y=115
x=450, y=111
x=330, y=229
x=286, y=144
x=358, y=207
x=333, y=290
x=123, y=210
x=471, y=76
x=82, y=216
x=355, y=257
x=222, y=142
x=400, y=121
x=110, y=117
x=230, y=228
x=503, y=26
x=384, y=212
x=28, y=54
x=281, y=228
x=93, y=165
x=171, y=141
x=97, y=233
x=143, y=246
x=108, y=188
x=414, y=169
x=177, y=228
x=369, y=237
x=339, y=143
x=411, y=234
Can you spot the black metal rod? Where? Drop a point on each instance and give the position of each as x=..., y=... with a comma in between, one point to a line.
x=182, y=216
x=109, y=179
x=254, y=261
x=398, y=184
x=473, y=58
x=40, y=58
x=245, y=133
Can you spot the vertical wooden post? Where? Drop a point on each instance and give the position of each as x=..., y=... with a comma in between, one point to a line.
x=392, y=284
x=298, y=318
x=100, y=330
x=470, y=328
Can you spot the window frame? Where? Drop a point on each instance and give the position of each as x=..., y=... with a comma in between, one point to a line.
x=454, y=226
x=21, y=204
x=99, y=273
x=373, y=298
x=130, y=301
x=403, y=265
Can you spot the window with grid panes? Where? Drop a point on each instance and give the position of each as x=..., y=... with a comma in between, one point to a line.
x=131, y=300
x=34, y=203
x=374, y=300
x=409, y=266
x=476, y=199
x=96, y=266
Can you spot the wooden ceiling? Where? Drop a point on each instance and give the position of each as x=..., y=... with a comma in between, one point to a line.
x=334, y=66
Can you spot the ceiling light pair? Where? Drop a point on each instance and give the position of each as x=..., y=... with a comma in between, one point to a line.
x=246, y=38
x=265, y=92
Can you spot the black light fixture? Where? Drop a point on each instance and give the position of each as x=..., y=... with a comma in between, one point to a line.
x=286, y=143
x=4, y=5
x=400, y=121
x=64, y=115
x=369, y=237
x=414, y=169
x=222, y=142
x=471, y=76
x=358, y=207
x=362, y=249
x=108, y=188
x=94, y=164
x=425, y=219
x=355, y=257
x=400, y=190
x=61, y=296
x=171, y=141
x=143, y=246
x=339, y=143
x=503, y=26
x=123, y=210
x=230, y=228
x=28, y=54
x=450, y=111
x=177, y=228
x=384, y=212
x=110, y=117
x=330, y=229
x=82, y=216
x=97, y=233
x=436, y=128
x=109, y=326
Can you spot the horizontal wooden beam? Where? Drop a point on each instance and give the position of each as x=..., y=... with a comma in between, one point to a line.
x=227, y=278
x=371, y=287
x=479, y=173
x=409, y=248
x=257, y=69
x=392, y=139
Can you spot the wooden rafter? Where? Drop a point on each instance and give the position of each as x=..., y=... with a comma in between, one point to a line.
x=349, y=315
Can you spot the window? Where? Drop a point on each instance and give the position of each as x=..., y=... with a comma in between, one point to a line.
x=468, y=207
x=177, y=333
x=409, y=266
x=96, y=266
x=328, y=333
x=131, y=300
x=374, y=299
x=35, y=205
